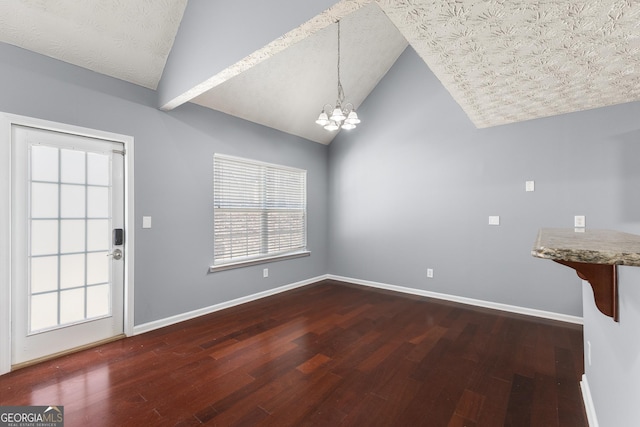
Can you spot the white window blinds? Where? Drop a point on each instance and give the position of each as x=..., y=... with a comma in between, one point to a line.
x=259, y=210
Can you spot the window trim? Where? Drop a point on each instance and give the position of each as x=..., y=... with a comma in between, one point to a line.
x=265, y=258
x=257, y=261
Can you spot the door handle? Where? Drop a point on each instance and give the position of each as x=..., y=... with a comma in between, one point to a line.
x=116, y=254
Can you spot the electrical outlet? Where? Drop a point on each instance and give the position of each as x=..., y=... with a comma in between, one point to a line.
x=265, y=272
x=430, y=273
x=579, y=221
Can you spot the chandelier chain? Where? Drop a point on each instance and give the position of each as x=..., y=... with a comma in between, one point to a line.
x=340, y=90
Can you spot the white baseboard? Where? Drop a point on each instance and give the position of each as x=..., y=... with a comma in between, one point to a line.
x=156, y=324
x=150, y=326
x=463, y=300
x=588, y=402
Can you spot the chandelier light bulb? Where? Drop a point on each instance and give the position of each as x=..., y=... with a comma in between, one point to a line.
x=338, y=115
x=352, y=118
x=323, y=119
x=331, y=126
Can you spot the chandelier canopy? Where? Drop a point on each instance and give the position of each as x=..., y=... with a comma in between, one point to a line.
x=342, y=115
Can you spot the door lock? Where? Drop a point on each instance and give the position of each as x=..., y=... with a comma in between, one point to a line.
x=116, y=254
x=118, y=237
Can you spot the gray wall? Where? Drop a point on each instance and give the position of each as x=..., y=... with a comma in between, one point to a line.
x=359, y=213
x=173, y=178
x=412, y=188
x=614, y=372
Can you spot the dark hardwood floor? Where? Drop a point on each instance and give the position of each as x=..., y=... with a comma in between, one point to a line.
x=328, y=354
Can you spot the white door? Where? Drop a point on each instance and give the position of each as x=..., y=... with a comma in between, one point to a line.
x=67, y=266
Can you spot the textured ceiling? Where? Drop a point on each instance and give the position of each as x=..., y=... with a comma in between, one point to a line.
x=508, y=61
x=125, y=39
x=503, y=61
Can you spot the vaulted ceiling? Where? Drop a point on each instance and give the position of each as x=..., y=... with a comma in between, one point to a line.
x=502, y=61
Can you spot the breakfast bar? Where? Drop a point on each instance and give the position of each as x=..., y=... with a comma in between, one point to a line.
x=594, y=255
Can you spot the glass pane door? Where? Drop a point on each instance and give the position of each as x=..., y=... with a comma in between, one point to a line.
x=67, y=198
x=69, y=229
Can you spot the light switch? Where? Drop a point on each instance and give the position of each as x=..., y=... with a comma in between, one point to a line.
x=146, y=222
x=529, y=186
x=494, y=220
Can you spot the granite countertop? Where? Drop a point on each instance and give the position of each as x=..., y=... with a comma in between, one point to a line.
x=588, y=246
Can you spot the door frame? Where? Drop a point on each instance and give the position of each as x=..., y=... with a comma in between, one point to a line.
x=8, y=120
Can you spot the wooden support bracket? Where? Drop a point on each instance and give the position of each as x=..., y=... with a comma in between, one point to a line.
x=603, y=279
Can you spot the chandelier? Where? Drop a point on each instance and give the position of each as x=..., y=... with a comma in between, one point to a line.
x=342, y=115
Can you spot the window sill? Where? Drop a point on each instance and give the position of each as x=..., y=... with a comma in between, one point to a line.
x=248, y=263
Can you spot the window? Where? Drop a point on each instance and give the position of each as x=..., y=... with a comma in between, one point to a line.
x=259, y=212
